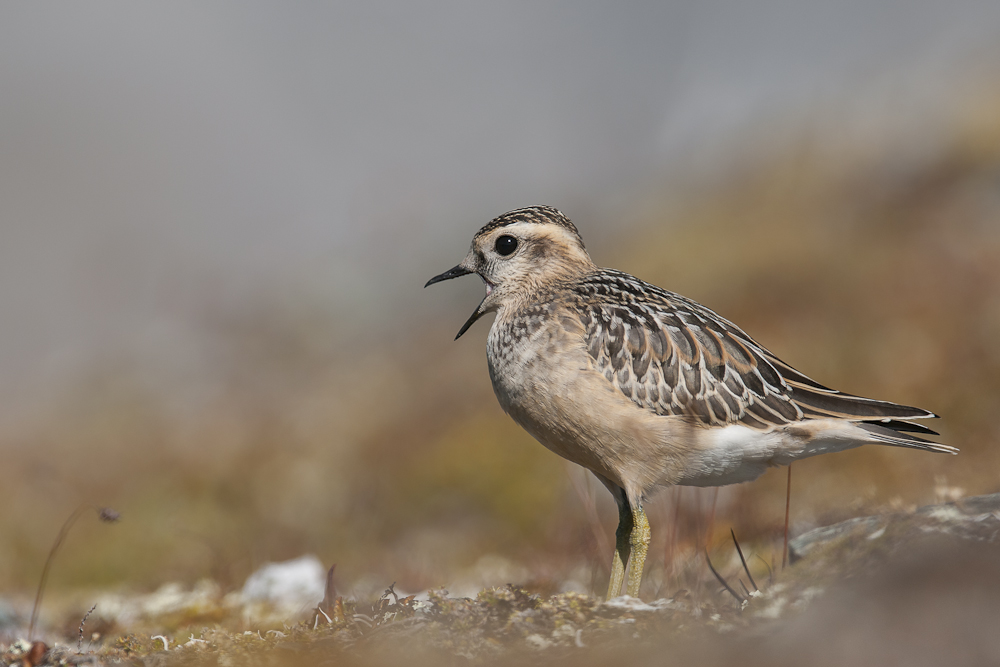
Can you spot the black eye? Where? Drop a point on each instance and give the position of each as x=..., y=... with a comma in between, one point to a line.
x=506, y=245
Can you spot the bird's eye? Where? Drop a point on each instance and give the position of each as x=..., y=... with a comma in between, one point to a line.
x=506, y=244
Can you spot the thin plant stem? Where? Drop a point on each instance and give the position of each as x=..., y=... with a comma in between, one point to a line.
x=739, y=598
x=79, y=642
x=48, y=565
x=106, y=514
x=788, y=505
x=743, y=560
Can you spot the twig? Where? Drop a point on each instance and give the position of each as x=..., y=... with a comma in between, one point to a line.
x=739, y=598
x=770, y=572
x=329, y=598
x=330, y=592
x=79, y=642
x=393, y=592
x=743, y=560
x=788, y=504
x=106, y=515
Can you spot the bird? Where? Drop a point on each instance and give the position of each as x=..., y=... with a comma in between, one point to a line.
x=644, y=387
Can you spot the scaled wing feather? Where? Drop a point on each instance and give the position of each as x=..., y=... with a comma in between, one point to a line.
x=673, y=356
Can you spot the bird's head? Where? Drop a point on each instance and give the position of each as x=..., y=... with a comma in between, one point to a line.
x=519, y=254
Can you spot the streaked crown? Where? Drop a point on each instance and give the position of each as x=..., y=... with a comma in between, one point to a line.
x=539, y=215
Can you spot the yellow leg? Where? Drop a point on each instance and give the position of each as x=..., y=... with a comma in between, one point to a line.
x=622, y=549
x=639, y=541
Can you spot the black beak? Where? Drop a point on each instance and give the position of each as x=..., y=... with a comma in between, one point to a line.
x=469, y=322
x=449, y=274
x=455, y=273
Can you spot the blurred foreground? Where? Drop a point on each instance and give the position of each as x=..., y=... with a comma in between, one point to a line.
x=873, y=268
x=903, y=588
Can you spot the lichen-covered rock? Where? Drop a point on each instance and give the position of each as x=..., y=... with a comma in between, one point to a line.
x=976, y=518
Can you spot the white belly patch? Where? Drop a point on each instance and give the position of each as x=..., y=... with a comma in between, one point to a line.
x=731, y=455
x=737, y=453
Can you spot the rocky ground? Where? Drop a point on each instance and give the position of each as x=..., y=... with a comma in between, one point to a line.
x=915, y=588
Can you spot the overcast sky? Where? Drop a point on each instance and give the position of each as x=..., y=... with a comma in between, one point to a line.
x=159, y=158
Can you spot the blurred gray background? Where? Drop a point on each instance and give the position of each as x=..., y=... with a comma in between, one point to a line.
x=161, y=161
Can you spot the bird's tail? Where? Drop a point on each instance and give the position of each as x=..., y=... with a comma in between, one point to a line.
x=900, y=434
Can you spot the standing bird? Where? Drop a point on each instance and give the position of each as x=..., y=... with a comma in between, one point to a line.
x=644, y=387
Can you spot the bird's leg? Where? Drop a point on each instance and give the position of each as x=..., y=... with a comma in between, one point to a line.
x=622, y=549
x=639, y=541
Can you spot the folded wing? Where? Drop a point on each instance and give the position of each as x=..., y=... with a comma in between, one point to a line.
x=673, y=356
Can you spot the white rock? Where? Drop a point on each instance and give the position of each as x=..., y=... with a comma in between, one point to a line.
x=877, y=534
x=298, y=583
x=627, y=603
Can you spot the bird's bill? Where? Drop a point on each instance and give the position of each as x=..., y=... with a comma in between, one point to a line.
x=479, y=312
x=453, y=272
